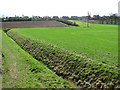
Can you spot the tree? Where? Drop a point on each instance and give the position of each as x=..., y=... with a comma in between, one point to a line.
x=115, y=18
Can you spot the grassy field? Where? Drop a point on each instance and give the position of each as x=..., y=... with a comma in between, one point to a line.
x=21, y=70
x=86, y=56
x=99, y=42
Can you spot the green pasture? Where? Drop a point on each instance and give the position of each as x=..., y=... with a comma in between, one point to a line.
x=99, y=41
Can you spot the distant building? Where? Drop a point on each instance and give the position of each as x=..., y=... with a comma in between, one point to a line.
x=96, y=17
x=74, y=17
x=36, y=18
x=65, y=17
x=55, y=17
x=25, y=17
x=46, y=18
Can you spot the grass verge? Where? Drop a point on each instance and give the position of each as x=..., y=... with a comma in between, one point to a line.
x=21, y=70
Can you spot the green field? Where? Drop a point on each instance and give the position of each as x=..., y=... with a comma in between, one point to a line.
x=87, y=57
x=21, y=70
x=99, y=42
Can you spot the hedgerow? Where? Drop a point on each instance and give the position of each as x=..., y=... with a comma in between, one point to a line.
x=67, y=22
x=83, y=71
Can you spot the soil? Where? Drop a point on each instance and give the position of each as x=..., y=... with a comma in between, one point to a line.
x=31, y=24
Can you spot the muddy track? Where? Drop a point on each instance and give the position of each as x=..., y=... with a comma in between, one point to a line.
x=31, y=24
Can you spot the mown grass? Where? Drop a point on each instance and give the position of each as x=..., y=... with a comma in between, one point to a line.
x=99, y=42
x=21, y=70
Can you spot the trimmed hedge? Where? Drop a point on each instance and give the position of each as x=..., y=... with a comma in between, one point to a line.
x=83, y=71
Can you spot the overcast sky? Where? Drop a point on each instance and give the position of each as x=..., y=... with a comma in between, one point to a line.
x=57, y=7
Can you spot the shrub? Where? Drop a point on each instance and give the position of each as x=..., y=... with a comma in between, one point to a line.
x=6, y=30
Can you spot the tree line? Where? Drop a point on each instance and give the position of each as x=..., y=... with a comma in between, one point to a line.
x=111, y=19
